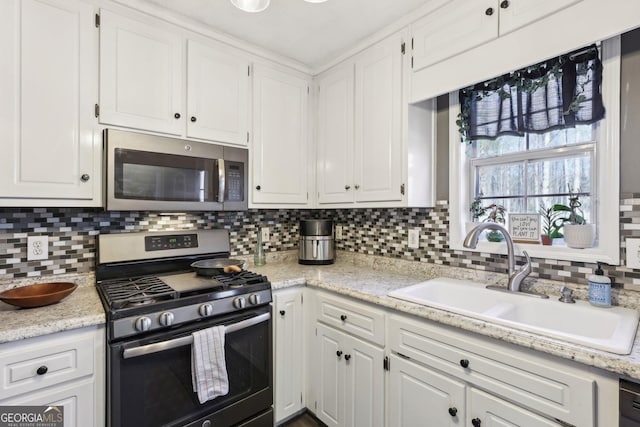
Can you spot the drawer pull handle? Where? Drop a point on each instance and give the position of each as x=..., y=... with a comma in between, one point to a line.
x=177, y=115
x=504, y=4
x=338, y=353
x=42, y=370
x=282, y=312
x=347, y=357
x=464, y=363
x=489, y=11
x=476, y=422
x=343, y=317
x=453, y=411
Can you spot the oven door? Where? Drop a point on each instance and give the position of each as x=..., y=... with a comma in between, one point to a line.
x=150, y=379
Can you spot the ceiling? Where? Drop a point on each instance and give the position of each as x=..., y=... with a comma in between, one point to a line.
x=311, y=33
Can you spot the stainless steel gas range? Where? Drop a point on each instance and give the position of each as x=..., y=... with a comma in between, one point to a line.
x=154, y=305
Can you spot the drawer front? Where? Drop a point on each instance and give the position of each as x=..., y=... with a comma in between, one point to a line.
x=537, y=382
x=44, y=361
x=357, y=319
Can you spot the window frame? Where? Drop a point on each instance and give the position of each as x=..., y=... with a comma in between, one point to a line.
x=607, y=179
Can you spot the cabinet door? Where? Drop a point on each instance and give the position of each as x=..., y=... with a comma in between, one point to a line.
x=457, y=26
x=364, y=384
x=492, y=411
x=378, y=126
x=48, y=81
x=329, y=376
x=288, y=352
x=515, y=14
x=419, y=396
x=217, y=94
x=279, y=152
x=335, y=136
x=141, y=75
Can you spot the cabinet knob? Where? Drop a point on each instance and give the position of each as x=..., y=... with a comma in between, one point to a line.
x=504, y=4
x=42, y=370
x=338, y=353
x=464, y=363
x=177, y=115
x=258, y=187
x=193, y=118
x=347, y=357
x=347, y=187
x=282, y=312
x=476, y=422
x=85, y=177
x=343, y=317
x=357, y=187
x=489, y=11
x=453, y=411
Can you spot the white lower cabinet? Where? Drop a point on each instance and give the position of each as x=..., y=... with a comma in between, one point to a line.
x=288, y=360
x=65, y=369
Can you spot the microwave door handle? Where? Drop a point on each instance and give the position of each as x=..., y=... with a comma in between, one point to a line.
x=221, y=180
x=143, y=350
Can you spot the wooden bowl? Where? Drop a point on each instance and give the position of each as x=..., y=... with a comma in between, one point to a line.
x=38, y=295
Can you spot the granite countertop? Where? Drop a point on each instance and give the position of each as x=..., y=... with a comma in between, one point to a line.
x=82, y=308
x=369, y=279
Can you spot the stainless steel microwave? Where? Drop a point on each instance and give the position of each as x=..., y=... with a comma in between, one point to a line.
x=155, y=173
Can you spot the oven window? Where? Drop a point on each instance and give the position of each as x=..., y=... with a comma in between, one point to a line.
x=156, y=389
x=144, y=175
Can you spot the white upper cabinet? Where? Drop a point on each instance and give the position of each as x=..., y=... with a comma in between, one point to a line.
x=335, y=179
x=48, y=80
x=280, y=137
x=217, y=94
x=460, y=25
x=141, y=75
x=378, y=122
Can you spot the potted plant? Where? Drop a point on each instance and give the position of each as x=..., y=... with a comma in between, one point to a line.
x=551, y=224
x=495, y=213
x=477, y=211
x=577, y=233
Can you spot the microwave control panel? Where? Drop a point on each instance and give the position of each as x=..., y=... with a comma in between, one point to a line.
x=235, y=182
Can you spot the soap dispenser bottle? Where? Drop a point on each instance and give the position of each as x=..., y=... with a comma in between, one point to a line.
x=258, y=256
x=600, y=288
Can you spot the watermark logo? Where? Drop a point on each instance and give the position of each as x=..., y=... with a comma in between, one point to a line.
x=31, y=416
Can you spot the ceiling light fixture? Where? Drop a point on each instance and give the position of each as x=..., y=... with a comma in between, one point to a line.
x=252, y=6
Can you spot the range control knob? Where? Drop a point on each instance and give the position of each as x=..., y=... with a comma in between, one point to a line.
x=166, y=318
x=143, y=324
x=254, y=299
x=239, y=302
x=205, y=310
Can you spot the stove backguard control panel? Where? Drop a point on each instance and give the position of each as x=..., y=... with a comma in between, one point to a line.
x=172, y=241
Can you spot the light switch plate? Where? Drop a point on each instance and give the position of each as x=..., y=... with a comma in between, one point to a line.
x=414, y=239
x=338, y=232
x=37, y=248
x=633, y=253
x=266, y=235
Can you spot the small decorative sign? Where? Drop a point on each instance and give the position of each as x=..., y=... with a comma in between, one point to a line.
x=524, y=227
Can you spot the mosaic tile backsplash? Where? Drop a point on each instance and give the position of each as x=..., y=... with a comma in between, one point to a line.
x=382, y=232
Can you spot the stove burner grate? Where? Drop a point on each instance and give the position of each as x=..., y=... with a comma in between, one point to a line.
x=240, y=279
x=134, y=292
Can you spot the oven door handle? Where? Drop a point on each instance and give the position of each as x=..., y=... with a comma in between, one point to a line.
x=128, y=353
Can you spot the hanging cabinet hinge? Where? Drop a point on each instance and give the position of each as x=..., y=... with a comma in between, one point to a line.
x=97, y=20
x=96, y=110
x=402, y=48
x=248, y=70
x=411, y=43
x=386, y=364
x=412, y=62
x=247, y=137
x=301, y=299
x=307, y=90
x=402, y=189
x=300, y=397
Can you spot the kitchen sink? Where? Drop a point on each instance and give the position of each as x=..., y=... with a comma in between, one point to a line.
x=609, y=329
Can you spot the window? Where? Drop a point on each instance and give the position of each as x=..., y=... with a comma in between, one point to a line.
x=522, y=170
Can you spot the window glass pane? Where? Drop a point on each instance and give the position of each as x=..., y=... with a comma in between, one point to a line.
x=562, y=137
x=483, y=148
x=501, y=180
x=558, y=176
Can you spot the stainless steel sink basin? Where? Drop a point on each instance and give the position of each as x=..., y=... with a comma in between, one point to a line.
x=609, y=329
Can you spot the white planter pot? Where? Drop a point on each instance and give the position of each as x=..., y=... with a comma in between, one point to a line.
x=579, y=236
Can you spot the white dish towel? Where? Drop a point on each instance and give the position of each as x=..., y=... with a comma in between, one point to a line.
x=208, y=365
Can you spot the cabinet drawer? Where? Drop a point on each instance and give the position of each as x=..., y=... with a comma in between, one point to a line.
x=357, y=319
x=535, y=381
x=59, y=358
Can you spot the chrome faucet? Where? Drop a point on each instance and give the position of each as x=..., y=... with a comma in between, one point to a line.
x=515, y=277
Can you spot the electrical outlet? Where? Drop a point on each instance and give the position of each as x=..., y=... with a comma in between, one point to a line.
x=265, y=234
x=633, y=253
x=338, y=232
x=414, y=239
x=37, y=248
